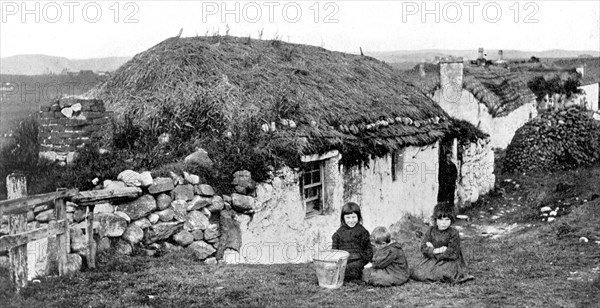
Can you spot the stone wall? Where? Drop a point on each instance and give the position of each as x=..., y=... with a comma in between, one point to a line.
x=476, y=171
x=69, y=124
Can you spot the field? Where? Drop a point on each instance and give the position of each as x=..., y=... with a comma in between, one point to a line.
x=518, y=260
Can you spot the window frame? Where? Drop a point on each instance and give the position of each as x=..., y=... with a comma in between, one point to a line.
x=311, y=167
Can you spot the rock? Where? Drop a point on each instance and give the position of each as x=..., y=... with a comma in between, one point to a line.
x=143, y=223
x=553, y=213
x=183, y=238
x=161, y=185
x=551, y=219
x=191, y=178
x=231, y=256
x=139, y=207
x=74, y=263
x=153, y=218
x=546, y=209
x=166, y=214
x=76, y=107
x=161, y=231
x=79, y=241
x=103, y=244
x=217, y=204
x=79, y=214
x=195, y=220
x=149, y=252
x=123, y=215
x=71, y=206
x=133, y=234
x=177, y=179
x=45, y=216
x=30, y=216
x=242, y=203
x=130, y=178
x=70, y=218
x=211, y=261
x=201, y=250
x=204, y=190
x=227, y=198
x=198, y=235
x=242, y=180
x=264, y=193
x=179, y=209
x=163, y=201
x=40, y=208
x=122, y=247
x=103, y=208
x=183, y=192
x=146, y=179
x=113, y=185
x=111, y=225
x=198, y=202
x=67, y=112
x=583, y=239
x=206, y=212
x=231, y=236
x=199, y=157
x=211, y=234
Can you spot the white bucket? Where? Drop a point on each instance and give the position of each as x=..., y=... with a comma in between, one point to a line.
x=330, y=266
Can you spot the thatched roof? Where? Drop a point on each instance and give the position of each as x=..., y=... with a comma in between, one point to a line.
x=499, y=89
x=335, y=100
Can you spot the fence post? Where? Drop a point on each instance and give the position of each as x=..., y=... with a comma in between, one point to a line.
x=91, y=249
x=16, y=187
x=61, y=243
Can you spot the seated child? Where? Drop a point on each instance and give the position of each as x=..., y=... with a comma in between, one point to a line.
x=389, y=267
x=353, y=238
x=442, y=256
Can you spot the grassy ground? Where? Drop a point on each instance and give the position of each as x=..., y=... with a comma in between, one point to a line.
x=518, y=260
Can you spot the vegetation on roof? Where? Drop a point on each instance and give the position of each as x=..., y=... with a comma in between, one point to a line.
x=268, y=99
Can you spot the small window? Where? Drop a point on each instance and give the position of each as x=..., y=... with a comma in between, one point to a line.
x=312, y=187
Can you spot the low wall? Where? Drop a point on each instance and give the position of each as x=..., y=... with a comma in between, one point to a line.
x=476, y=171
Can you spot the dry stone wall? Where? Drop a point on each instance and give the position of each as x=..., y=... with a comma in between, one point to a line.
x=68, y=124
x=476, y=171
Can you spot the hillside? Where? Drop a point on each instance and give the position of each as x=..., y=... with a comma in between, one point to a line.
x=43, y=64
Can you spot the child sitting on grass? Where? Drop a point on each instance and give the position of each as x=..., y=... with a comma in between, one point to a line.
x=353, y=238
x=389, y=267
x=443, y=259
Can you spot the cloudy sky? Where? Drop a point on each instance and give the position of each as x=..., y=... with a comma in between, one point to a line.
x=88, y=29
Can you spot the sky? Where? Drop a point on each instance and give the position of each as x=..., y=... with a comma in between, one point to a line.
x=90, y=29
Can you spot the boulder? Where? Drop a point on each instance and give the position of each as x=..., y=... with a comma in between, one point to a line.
x=179, y=209
x=195, y=220
x=79, y=214
x=201, y=249
x=103, y=208
x=153, y=218
x=204, y=190
x=231, y=234
x=183, y=192
x=177, y=179
x=161, y=231
x=163, y=201
x=200, y=157
x=123, y=247
x=30, y=216
x=161, y=185
x=146, y=179
x=103, y=244
x=79, y=241
x=198, y=202
x=242, y=203
x=211, y=261
x=113, y=185
x=198, y=235
x=191, y=178
x=123, y=215
x=111, y=225
x=165, y=215
x=74, y=263
x=243, y=182
x=130, y=178
x=211, y=234
x=143, y=223
x=217, y=204
x=40, y=208
x=71, y=206
x=139, y=207
x=133, y=234
x=45, y=216
x=183, y=238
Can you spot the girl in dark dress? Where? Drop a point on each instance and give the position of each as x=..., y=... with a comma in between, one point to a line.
x=389, y=266
x=355, y=239
x=442, y=256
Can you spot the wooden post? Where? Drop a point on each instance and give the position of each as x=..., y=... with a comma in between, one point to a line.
x=16, y=187
x=91, y=249
x=62, y=240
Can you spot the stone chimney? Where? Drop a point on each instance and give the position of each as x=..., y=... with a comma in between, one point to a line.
x=422, y=69
x=581, y=70
x=480, y=53
x=500, y=55
x=451, y=78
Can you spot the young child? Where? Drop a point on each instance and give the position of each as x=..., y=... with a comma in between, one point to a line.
x=389, y=267
x=443, y=259
x=353, y=238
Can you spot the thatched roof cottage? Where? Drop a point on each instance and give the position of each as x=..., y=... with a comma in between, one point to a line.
x=492, y=98
x=348, y=126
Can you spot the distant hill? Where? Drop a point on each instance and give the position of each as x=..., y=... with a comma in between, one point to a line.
x=406, y=59
x=43, y=64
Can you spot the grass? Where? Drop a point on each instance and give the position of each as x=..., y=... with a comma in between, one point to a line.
x=540, y=264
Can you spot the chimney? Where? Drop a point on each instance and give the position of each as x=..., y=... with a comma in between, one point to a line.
x=422, y=69
x=451, y=79
x=500, y=55
x=581, y=70
x=480, y=53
